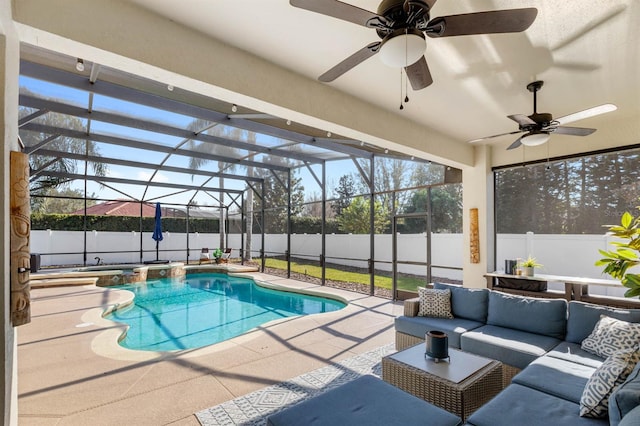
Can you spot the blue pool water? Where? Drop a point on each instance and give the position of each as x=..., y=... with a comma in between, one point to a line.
x=202, y=309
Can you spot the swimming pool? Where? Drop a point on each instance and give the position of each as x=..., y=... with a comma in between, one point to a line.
x=203, y=309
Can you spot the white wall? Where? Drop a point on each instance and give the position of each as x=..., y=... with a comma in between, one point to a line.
x=569, y=255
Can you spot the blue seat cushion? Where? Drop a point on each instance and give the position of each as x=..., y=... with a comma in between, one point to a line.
x=363, y=401
x=557, y=377
x=573, y=352
x=524, y=406
x=513, y=347
x=625, y=398
x=541, y=316
x=418, y=326
x=584, y=316
x=468, y=303
x=632, y=418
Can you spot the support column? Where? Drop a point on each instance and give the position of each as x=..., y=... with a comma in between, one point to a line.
x=9, y=75
x=478, y=193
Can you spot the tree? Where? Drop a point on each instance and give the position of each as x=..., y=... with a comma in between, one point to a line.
x=355, y=218
x=345, y=190
x=66, y=200
x=427, y=174
x=391, y=174
x=276, y=195
x=199, y=126
x=40, y=184
x=446, y=209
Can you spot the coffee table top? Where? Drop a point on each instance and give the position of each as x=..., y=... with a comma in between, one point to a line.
x=460, y=366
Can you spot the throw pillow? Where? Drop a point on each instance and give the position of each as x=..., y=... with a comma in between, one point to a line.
x=434, y=303
x=611, y=335
x=613, y=371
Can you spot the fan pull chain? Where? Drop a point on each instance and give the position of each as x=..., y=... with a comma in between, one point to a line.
x=406, y=59
x=401, y=104
x=406, y=55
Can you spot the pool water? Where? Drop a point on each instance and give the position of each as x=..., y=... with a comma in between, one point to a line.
x=203, y=309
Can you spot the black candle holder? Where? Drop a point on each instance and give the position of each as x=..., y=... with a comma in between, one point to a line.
x=437, y=343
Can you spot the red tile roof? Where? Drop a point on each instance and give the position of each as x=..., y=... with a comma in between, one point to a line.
x=120, y=208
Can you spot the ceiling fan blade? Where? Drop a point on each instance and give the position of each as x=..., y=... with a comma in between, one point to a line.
x=516, y=143
x=591, y=112
x=494, y=136
x=521, y=119
x=353, y=60
x=419, y=74
x=491, y=22
x=338, y=9
x=573, y=131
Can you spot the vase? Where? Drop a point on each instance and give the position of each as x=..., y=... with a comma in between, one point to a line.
x=437, y=345
x=527, y=271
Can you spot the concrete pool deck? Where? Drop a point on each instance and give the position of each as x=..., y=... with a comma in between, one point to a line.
x=68, y=376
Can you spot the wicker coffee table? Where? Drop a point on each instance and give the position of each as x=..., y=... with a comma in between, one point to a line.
x=460, y=385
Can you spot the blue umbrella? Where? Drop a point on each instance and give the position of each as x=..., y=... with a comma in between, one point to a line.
x=157, y=230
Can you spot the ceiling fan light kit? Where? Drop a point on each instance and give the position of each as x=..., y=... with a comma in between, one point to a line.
x=535, y=139
x=539, y=125
x=402, y=26
x=403, y=50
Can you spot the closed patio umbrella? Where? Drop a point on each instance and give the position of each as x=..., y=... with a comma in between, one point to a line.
x=157, y=230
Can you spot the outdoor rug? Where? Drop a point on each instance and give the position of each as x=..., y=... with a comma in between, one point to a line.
x=254, y=408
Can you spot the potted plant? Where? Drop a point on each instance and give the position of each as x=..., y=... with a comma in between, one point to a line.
x=528, y=266
x=625, y=256
x=217, y=255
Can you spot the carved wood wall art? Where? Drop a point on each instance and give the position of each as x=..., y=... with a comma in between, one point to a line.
x=474, y=235
x=19, y=239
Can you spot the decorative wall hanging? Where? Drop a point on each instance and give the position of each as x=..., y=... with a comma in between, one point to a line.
x=19, y=239
x=474, y=235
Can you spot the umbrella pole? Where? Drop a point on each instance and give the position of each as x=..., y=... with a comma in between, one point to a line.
x=157, y=255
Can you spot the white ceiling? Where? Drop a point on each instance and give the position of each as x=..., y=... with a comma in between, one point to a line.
x=586, y=52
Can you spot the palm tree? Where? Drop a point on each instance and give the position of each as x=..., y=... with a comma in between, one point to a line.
x=44, y=185
x=213, y=129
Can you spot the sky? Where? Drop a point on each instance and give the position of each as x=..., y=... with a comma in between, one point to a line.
x=335, y=169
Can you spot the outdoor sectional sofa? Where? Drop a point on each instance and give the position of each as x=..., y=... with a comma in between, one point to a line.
x=539, y=343
x=537, y=340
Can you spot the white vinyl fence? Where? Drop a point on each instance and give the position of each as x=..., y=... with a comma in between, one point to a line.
x=572, y=255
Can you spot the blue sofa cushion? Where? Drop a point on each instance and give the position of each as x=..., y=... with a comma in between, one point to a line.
x=513, y=347
x=573, y=352
x=363, y=401
x=418, y=327
x=557, y=377
x=625, y=398
x=584, y=316
x=541, y=316
x=632, y=418
x=524, y=406
x=469, y=303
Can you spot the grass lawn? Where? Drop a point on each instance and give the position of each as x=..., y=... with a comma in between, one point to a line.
x=404, y=283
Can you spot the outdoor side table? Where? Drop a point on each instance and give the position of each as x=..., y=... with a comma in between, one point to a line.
x=460, y=386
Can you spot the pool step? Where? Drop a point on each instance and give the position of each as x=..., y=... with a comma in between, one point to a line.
x=59, y=282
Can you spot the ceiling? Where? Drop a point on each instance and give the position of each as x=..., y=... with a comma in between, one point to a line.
x=586, y=52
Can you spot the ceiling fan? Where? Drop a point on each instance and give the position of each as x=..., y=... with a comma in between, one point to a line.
x=539, y=125
x=402, y=25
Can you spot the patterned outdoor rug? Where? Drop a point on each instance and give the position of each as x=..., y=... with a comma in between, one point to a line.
x=254, y=408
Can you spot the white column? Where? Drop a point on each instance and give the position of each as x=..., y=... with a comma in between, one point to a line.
x=477, y=184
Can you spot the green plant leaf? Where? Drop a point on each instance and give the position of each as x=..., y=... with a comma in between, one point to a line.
x=626, y=220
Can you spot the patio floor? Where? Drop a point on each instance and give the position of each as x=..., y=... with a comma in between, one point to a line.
x=71, y=372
